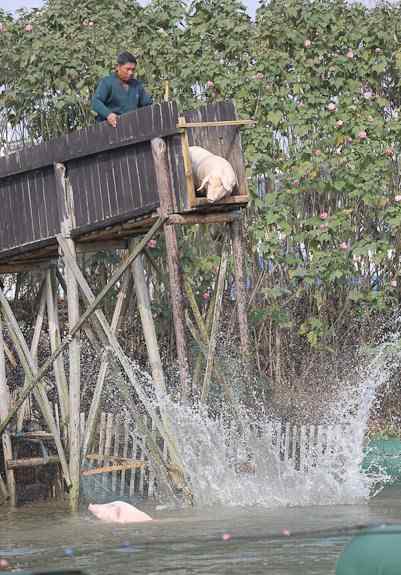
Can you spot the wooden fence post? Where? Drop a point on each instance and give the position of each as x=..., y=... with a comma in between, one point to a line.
x=236, y=237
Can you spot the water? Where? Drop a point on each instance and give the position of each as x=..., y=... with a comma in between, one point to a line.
x=275, y=519
x=190, y=541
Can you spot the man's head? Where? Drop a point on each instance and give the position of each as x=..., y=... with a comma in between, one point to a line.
x=126, y=65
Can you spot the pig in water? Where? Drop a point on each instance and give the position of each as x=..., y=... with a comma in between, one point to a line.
x=118, y=512
x=212, y=173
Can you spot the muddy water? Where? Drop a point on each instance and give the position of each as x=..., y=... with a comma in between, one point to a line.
x=209, y=541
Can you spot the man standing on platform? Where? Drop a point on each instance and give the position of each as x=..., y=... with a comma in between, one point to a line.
x=119, y=92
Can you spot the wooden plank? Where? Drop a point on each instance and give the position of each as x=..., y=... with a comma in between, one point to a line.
x=113, y=468
x=32, y=462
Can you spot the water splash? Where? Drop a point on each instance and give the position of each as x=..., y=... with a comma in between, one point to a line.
x=262, y=461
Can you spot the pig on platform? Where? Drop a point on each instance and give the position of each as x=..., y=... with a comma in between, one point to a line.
x=212, y=174
x=118, y=512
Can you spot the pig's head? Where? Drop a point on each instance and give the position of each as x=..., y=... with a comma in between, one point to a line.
x=217, y=187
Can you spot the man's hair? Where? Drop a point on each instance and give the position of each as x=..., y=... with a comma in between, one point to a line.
x=126, y=58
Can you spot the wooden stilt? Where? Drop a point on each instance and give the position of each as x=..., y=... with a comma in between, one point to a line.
x=4, y=408
x=67, y=222
x=236, y=237
x=75, y=386
x=159, y=151
x=55, y=340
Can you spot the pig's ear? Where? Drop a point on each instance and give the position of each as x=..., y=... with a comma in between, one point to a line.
x=229, y=181
x=203, y=184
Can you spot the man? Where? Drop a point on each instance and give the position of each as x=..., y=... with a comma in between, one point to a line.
x=120, y=92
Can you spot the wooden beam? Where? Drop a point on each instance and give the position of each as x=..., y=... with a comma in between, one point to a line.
x=201, y=218
x=159, y=151
x=228, y=200
x=215, y=123
x=88, y=313
x=32, y=462
x=191, y=196
x=112, y=468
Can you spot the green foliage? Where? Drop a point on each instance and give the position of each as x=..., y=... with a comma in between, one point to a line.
x=322, y=78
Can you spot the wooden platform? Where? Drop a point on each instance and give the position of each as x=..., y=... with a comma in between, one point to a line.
x=113, y=181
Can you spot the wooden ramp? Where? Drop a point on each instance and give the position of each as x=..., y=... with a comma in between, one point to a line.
x=112, y=179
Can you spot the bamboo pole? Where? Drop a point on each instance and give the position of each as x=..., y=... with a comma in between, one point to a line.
x=88, y=313
x=55, y=340
x=30, y=370
x=75, y=383
x=148, y=325
x=159, y=151
x=236, y=238
x=4, y=407
x=34, y=347
x=215, y=323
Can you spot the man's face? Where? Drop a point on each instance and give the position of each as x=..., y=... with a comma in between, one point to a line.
x=126, y=71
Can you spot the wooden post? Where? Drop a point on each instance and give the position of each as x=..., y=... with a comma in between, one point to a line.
x=67, y=222
x=159, y=151
x=4, y=408
x=148, y=326
x=215, y=323
x=236, y=237
x=55, y=340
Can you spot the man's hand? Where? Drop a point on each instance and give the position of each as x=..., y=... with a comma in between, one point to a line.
x=112, y=119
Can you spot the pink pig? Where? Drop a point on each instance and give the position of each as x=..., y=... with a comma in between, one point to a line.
x=118, y=512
